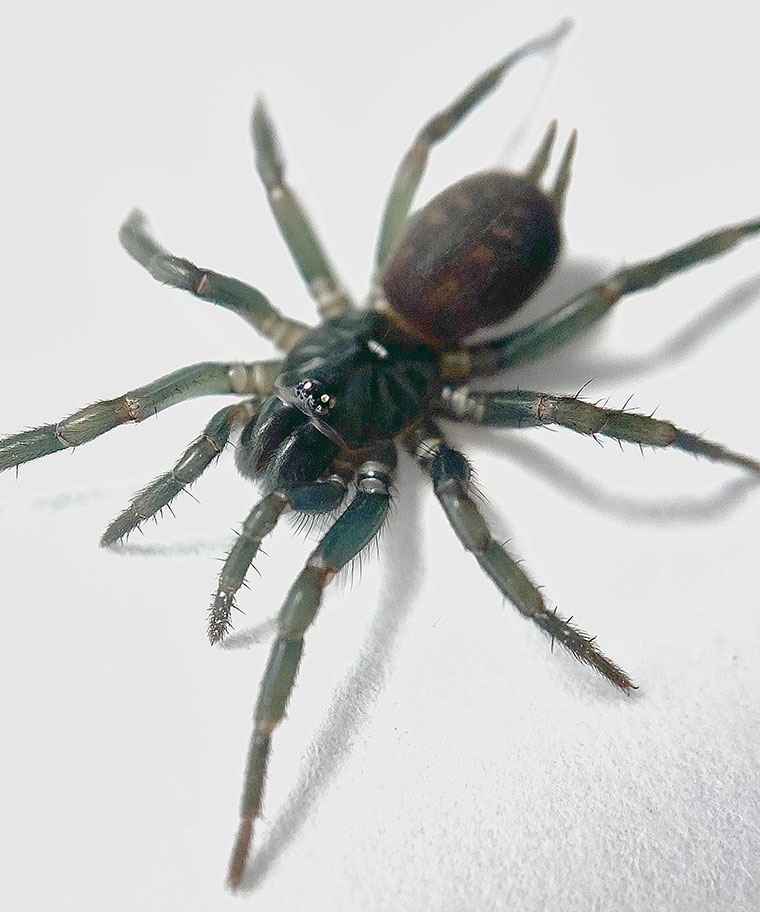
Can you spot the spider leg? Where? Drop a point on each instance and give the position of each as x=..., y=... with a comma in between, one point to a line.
x=192, y=463
x=292, y=220
x=522, y=408
x=245, y=300
x=450, y=473
x=412, y=167
x=351, y=533
x=205, y=379
x=553, y=330
x=316, y=497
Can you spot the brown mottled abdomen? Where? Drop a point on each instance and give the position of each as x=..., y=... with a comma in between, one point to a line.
x=473, y=255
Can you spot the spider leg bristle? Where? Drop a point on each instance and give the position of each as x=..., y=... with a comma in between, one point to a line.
x=587, y=383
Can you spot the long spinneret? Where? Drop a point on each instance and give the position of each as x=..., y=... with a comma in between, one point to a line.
x=412, y=167
x=321, y=426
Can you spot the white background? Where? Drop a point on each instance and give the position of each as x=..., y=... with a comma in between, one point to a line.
x=436, y=755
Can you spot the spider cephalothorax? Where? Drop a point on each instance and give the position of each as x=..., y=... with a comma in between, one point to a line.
x=329, y=417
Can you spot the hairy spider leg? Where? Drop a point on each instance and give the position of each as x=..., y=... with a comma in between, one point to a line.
x=522, y=408
x=232, y=294
x=208, y=378
x=351, y=533
x=553, y=330
x=412, y=167
x=314, y=498
x=450, y=474
x=293, y=222
x=196, y=458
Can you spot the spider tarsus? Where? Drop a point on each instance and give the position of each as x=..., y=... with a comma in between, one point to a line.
x=219, y=622
x=582, y=647
x=240, y=854
x=120, y=528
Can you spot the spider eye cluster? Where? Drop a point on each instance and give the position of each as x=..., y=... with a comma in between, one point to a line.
x=313, y=399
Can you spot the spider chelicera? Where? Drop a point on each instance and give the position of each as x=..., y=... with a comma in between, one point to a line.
x=330, y=415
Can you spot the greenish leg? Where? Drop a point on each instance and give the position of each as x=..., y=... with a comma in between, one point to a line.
x=522, y=408
x=450, y=473
x=412, y=167
x=245, y=300
x=552, y=331
x=315, y=498
x=192, y=463
x=293, y=222
x=351, y=533
x=206, y=379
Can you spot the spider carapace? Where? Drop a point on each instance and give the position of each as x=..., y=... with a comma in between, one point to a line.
x=470, y=258
x=329, y=416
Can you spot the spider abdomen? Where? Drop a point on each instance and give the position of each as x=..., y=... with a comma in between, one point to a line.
x=473, y=255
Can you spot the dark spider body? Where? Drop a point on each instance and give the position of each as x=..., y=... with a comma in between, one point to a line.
x=471, y=257
x=328, y=417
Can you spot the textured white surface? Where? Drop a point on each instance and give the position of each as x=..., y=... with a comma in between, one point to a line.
x=436, y=755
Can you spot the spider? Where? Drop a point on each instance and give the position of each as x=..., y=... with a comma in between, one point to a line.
x=329, y=416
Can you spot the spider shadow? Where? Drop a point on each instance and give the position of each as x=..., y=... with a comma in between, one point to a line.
x=361, y=685
x=703, y=327
x=622, y=507
x=573, y=365
x=363, y=682
x=570, y=367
